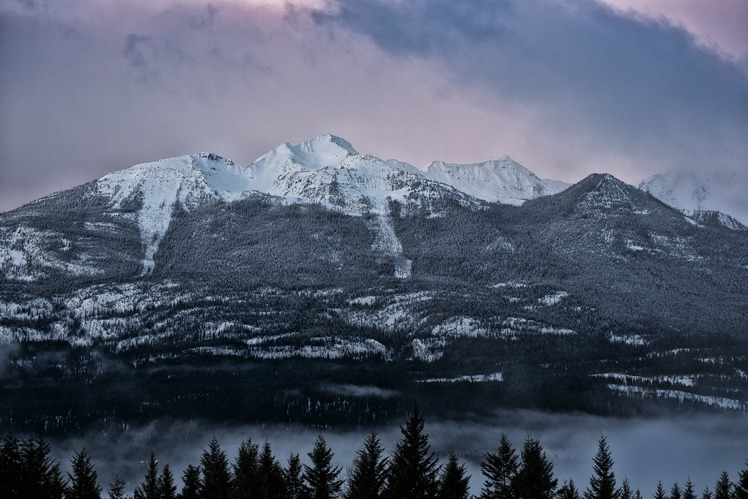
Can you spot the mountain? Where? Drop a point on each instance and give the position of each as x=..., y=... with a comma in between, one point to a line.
x=695, y=192
x=503, y=181
x=166, y=185
x=326, y=286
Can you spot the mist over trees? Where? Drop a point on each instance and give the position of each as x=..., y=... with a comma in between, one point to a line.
x=413, y=470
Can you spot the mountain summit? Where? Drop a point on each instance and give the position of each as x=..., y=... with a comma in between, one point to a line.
x=503, y=181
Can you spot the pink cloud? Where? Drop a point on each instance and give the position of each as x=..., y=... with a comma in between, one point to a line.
x=716, y=22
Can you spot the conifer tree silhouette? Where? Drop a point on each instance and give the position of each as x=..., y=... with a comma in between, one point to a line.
x=216, y=481
x=321, y=478
x=368, y=475
x=534, y=479
x=83, y=481
x=454, y=482
x=603, y=482
x=499, y=470
x=413, y=468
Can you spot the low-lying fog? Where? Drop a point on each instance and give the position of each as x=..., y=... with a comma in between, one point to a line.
x=644, y=450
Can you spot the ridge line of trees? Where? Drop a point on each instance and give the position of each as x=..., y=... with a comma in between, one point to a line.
x=411, y=472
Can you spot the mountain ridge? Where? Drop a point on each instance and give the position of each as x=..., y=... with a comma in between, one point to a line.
x=177, y=277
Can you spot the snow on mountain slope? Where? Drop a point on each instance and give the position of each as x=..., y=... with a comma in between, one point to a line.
x=325, y=170
x=691, y=192
x=161, y=185
x=503, y=181
x=328, y=170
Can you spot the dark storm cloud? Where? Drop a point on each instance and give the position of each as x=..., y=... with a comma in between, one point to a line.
x=634, y=86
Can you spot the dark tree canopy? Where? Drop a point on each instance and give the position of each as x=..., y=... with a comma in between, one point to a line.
x=413, y=467
x=272, y=480
x=741, y=487
x=603, y=481
x=368, y=475
x=166, y=483
x=660, y=492
x=625, y=492
x=150, y=488
x=568, y=491
x=499, y=470
x=454, y=480
x=723, y=488
x=191, y=480
x=39, y=474
x=117, y=487
x=675, y=492
x=534, y=479
x=83, y=481
x=246, y=471
x=688, y=492
x=293, y=477
x=321, y=478
x=216, y=481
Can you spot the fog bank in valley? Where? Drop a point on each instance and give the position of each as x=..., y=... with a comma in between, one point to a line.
x=645, y=450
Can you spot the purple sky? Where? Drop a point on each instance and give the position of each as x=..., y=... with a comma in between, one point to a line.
x=565, y=87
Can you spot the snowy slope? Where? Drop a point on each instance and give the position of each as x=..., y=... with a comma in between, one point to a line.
x=503, y=181
x=163, y=185
x=329, y=171
x=691, y=192
x=326, y=170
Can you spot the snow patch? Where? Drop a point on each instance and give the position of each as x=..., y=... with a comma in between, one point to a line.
x=476, y=378
x=553, y=299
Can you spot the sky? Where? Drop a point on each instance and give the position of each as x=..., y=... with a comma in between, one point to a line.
x=564, y=87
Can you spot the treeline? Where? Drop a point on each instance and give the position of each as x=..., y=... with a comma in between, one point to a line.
x=411, y=472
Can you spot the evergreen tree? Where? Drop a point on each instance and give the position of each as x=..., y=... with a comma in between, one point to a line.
x=191, y=480
x=272, y=481
x=10, y=467
x=369, y=473
x=689, y=492
x=166, y=484
x=150, y=487
x=625, y=492
x=675, y=492
x=534, y=479
x=39, y=474
x=216, y=482
x=413, y=468
x=660, y=492
x=321, y=478
x=707, y=494
x=246, y=474
x=454, y=482
x=117, y=488
x=741, y=488
x=292, y=476
x=723, y=488
x=603, y=482
x=499, y=470
x=568, y=491
x=83, y=482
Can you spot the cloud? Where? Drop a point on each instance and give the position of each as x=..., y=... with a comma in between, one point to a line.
x=716, y=24
x=564, y=88
x=596, y=83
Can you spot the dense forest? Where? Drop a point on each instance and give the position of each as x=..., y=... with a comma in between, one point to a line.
x=412, y=471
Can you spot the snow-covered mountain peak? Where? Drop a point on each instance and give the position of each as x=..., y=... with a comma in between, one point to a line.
x=503, y=180
x=320, y=152
x=160, y=186
x=689, y=191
